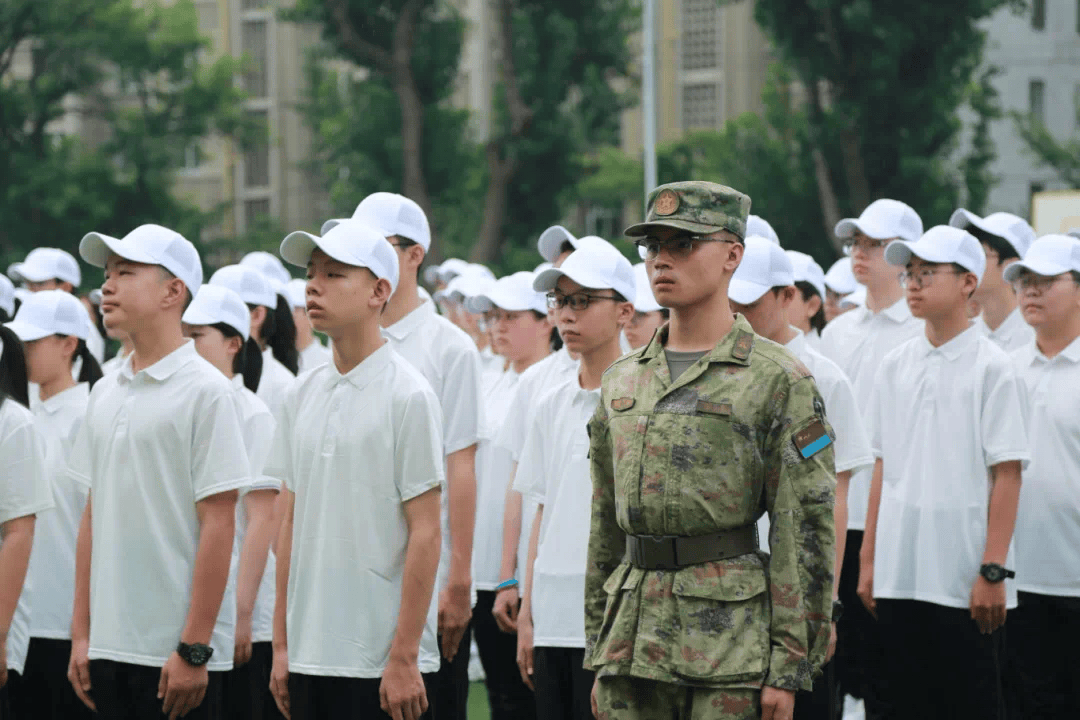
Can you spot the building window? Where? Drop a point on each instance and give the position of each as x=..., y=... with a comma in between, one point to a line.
x=253, y=4
x=1038, y=14
x=255, y=211
x=1037, y=101
x=257, y=156
x=254, y=45
x=192, y=156
x=699, y=106
x=700, y=36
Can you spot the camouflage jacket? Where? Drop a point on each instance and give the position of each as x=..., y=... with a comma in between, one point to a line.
x=742, y=432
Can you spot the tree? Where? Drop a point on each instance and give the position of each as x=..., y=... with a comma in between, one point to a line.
x=975, y=167
x=1063, y=156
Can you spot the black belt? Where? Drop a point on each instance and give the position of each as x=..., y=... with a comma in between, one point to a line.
x=671, y=552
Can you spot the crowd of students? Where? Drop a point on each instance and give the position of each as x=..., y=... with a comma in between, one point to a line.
x=230, y=520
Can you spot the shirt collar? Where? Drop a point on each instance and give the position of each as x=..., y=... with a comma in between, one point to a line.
x=164, y=368
x=735, y=347
x=74, y=394
x=1071, y=353
x=1013, y=322
x=955, y=347
x=898, y=312
x=408, y=324
x=368, y=369
x=237, y=381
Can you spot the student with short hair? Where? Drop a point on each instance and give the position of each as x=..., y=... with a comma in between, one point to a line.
x=763, y=290
x=947, y=431
x=1004, y=238
x=360, y=452
x=162, y=453
x=520, y=333
x=648, y=314
x=312, y=353
x=53, y=327
x=447, y=357
x=807, y=309
x=24, y=494
x=592, y=294
x=219, y=323
x=1043, y=630
x=857, y=341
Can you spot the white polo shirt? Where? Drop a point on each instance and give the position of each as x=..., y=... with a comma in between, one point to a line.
x=852, y=447
x=940, y=418
x=154, y=443
x=24, y=490
x=450, y=362
x=274, y=383
x=1014, y=333
x=554, y=472
x=1048, y=521
x=313, y=356
x=493, y=468
x=858, y=342
x=52, y=562
x=354, y=448
x=257, y=426
x=538, y=380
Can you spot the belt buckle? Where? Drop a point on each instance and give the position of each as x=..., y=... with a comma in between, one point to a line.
x=660, y=548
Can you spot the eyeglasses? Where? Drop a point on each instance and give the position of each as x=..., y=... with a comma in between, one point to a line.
x=867, y=245
x=679, y=247
x=1041, y=283
x=923, y=277
x=577, y=301
x=495, y=316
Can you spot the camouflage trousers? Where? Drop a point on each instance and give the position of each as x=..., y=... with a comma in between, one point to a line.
x=630, y=698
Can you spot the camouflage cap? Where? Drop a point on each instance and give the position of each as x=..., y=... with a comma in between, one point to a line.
x=695, y=206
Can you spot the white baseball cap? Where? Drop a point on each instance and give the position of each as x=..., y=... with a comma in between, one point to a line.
x=756, y=225
x=941, y=244
x=882, y=220
x=552, y=239
x=464, y=286
x=806, y=269
x=7, y=295
x=593, y=266
x=21, y=294
x=391, y=214
x=349, y=242
x=52, y=312
x=150, y=245
x=854, y=299
x=1048, y=256
x=512, y=293
x=542, y=267
x=296, y=291
x=764, y=266
x=644, y=301
x=840, y=279
x=271, y=267
x=450, y=269
x=251, y=285
x=215, y=304
x=1075, y=232
x=47, y=264
x=1011, y=228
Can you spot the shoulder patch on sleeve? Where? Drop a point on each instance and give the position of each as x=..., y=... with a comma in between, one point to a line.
x=811, y=438
x=623, y=403
x=743, y=345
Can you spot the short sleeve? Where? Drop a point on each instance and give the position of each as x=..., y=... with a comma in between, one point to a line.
x=1004, y=432
x=875, y=414
x=279, y=460
x=530, y=479
x=24, y=489
x=259, y=429
x=852, y=449
x=511, y=437
x=219, y=458
x=460, y=399
x=418, y=446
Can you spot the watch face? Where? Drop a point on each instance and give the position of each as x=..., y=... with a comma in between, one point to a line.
x=994, y=574
x=201, y=654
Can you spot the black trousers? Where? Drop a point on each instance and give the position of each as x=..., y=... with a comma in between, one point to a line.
x=1043, y=671
x=43, y=692
x=452, y=683
x=824, y=702
x=246, y=690
x=508, y=697
x=563, y=686
x=940, y=665
x=315, y=697
x=14, y=684
x=860, y=658
x=123, y=691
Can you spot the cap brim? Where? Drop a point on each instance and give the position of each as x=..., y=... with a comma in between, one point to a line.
x=25, y=272
x=745, y=293
x=330, y=225
x=27, y=332
x=478, y=304
x=95, y=249
x=297, y=247
x=899, y=252
x=431, y=274
x=1034, y=265
x=551, y=240
x=847, y=228
x=642, y=229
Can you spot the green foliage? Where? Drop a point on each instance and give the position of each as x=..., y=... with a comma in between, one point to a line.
x=1062, y=156
x=975, y=167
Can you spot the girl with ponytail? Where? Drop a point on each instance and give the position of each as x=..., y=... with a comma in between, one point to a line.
x=219, y=322
x=53, y=327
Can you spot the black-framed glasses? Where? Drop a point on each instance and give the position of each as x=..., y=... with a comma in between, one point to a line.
x=679, y=247
x=576, y=301
x=1039, y=283
x=867, y=245
x=924, y=276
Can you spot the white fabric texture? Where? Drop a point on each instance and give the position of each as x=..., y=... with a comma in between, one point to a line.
x=1014, y=333
x=493, y=468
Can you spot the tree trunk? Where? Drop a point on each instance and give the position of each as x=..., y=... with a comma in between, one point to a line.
x=830, y=208
x=859, y=192
x=500, y=172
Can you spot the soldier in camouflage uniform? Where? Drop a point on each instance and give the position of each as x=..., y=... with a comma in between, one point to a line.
x=696, y=435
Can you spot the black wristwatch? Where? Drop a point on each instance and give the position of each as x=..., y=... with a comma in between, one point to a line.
x=837, y=610
x=995, y=573
x=195, y=654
